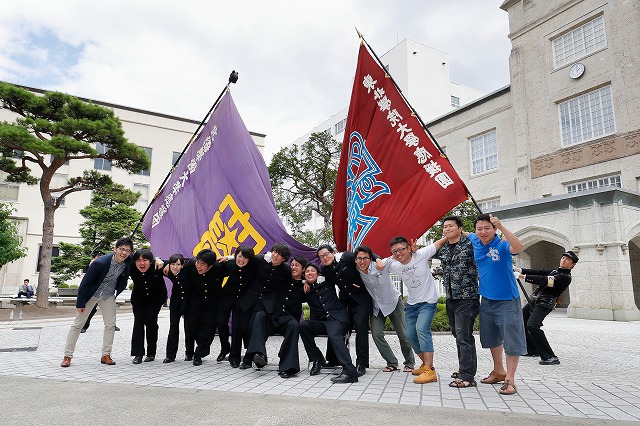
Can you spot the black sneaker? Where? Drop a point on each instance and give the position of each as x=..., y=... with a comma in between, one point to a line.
x=260, y=360
x=137, y=360
x=550, y=361
x=197, y=361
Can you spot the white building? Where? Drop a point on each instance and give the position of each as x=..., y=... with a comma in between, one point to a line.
x=163, y=137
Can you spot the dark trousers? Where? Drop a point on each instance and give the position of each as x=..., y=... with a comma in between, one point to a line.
x=175, y=313
x=26, y=293
x=202, y=323
x=537, y=342
x=144, y=319
x=240, y=332
x=360, y=322
x=335, y=331
x=265, y=325
x=91, y=314
x=462, y=315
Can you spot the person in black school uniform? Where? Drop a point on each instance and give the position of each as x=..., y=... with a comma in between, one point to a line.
x=204, y=278
x=147, y=297
x=241, y=272
x=327, y=316
x=269, y=314
x=177, y=309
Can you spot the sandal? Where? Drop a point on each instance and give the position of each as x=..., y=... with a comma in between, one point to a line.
x=493, y=378
x=459, y=383
x=390, y=368
x=407, y=369
x=504, y=389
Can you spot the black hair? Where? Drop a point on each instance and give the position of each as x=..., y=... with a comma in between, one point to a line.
x=456, y=219
x=125, y=241
x=483, y=218
x=398, y=240
x=207, y=256
x=312, y=265
x=282, y=249
x=143, y=253
x=176, y=258
x=301, y=260
x=364, y=249
x=324, y=246
x=97, y=253
x=27, y=280
x=246, y=251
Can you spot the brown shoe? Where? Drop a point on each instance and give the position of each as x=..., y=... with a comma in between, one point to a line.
x=428, y=376
x=418, y=371
x=493, y=378
x=66, y=361
x=107, y=360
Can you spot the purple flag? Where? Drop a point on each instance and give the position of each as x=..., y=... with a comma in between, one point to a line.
x=219, y=196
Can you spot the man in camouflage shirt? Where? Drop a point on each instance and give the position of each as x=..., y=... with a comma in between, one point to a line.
x=460, y=279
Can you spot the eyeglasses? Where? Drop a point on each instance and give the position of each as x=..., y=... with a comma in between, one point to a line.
x=399, y=250
x=124, y=250
x=324, y=256
x=362, y=259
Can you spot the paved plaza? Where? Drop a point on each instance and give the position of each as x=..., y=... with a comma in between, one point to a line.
x=598, y=378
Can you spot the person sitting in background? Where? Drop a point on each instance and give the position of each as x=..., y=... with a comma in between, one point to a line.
x=26, y=289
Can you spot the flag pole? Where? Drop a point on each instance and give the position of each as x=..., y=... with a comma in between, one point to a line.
x=233, y=78
x=413, y=110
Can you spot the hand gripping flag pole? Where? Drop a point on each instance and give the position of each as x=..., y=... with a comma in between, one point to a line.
x=233, y=78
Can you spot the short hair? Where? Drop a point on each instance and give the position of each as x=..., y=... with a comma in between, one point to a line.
x=246, y=251
x=314, y=266
x=176, y=258
x=483, y=218
x=144, y=254
x=398, y=240
x=282, y=249
x=456, y=219
x=125, y=241
x=27, y=280
x=324, y=246
x=300, y=259
x=97, y=253
x=207, y=256
x=364, y=249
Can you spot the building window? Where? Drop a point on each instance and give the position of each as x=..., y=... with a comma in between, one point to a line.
x=594, y=183
x=146, y=172
x=455, y=101
x=174, y=157
x=101, y=163
x=484, y=153
x=341, y=125
x=143, y=201
x=51, y=158
x=8, y=190
x=488, y=205
x=587, y=117
x=58, y=181
x=579, y=42
x=55, y=252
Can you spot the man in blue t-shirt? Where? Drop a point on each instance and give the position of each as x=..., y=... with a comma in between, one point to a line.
x=501, y=325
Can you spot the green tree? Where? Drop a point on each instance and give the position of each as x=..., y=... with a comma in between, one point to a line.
x=51, y=130
x=10, y=241
x=303, y=179
x=109, y=216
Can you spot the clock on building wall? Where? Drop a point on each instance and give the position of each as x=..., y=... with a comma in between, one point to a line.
x=576, y=70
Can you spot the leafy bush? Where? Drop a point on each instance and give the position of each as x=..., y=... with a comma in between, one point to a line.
x=63, y=285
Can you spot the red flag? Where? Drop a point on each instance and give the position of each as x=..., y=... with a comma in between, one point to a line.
x=392, y=179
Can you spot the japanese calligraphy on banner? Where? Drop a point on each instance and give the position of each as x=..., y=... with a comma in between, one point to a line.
x=392, y=179
x=219, y=195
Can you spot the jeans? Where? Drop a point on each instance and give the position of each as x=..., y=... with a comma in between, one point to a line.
x=419, y=318
x=377, y=333
x=462, y=315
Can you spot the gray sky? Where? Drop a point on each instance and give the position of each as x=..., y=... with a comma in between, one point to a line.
x=296, y=59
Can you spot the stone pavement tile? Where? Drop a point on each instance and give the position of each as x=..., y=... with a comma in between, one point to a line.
x=389, y=400
x=617, y=414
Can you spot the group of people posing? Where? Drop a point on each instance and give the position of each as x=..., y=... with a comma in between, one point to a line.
x=248, y=297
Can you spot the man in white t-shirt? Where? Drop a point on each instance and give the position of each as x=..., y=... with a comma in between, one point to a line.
x=413, y=268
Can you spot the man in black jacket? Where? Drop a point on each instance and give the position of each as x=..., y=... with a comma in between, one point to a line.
x=327, y=316
x=353, y=294
x=551, y=283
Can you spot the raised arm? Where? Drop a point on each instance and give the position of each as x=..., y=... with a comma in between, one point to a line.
x=516, y=245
